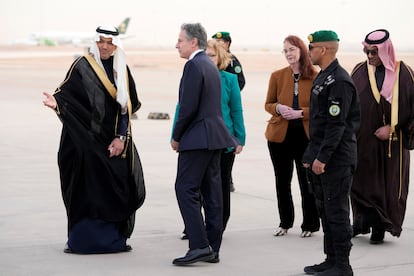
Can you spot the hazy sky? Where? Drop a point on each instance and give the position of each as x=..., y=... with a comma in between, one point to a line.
x=261, y=23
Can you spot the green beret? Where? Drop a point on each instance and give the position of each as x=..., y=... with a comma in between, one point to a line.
x=222, y=35
x=323, y=36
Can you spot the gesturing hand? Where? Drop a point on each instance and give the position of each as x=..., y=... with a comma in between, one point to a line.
x=50, y=100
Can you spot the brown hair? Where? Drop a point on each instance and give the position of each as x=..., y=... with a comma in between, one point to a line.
x=223, y=57
x=305, y=66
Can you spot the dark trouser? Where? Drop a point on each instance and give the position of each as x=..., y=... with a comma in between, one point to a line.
x=283, y=155
x=198, y=178
x=332, y=190
x=226, y=165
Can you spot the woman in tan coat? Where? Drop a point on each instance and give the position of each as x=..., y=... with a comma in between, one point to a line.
x=287, y=133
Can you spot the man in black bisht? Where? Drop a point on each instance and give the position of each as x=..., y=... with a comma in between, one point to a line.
x=100, y=170
x=381, y=183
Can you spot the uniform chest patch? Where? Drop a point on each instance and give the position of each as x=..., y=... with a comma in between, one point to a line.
x=334, y=110
x=237, y=69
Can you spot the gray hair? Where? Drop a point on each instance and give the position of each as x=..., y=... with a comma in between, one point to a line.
x=195, y=30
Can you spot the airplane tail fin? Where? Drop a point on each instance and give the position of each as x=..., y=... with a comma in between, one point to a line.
x=122, y=28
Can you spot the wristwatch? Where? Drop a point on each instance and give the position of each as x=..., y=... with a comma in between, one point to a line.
x=121, y=137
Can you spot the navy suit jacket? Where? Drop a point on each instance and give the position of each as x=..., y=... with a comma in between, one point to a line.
x=199, y=123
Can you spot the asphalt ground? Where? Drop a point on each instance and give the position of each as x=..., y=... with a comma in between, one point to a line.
x=32, y=216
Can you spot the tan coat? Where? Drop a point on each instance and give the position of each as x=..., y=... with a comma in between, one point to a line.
x=280, y=91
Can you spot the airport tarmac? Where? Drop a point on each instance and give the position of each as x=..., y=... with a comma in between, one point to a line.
x=32, y=216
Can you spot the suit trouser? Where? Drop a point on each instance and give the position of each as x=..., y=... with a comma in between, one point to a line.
x=226, y=165
x=332, y=190
x=198, y=179
x=283, y=156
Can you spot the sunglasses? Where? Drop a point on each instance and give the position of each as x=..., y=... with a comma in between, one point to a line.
x=310, y=46
x=372, y=52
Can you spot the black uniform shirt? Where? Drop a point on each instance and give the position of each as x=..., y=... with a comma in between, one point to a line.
x=235, y=67
x=334, y=118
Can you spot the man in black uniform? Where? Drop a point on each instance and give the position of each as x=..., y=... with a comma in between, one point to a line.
x=331, y=155
x=234, y=67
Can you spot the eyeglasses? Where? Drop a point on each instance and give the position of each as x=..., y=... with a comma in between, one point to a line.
x=372, y=52
x=290, y=50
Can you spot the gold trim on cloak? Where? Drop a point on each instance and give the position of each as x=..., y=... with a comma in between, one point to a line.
x=394, y=100
x=394, y=112
x=112, y=91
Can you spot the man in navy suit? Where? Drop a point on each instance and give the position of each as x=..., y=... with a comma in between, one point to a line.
x=199, y=135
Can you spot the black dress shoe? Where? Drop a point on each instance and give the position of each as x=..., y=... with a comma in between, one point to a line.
x=67, y=249
x=184, y=236
x=127, y=248
x=195, y=255
x=377, y=236
x=215, y=260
